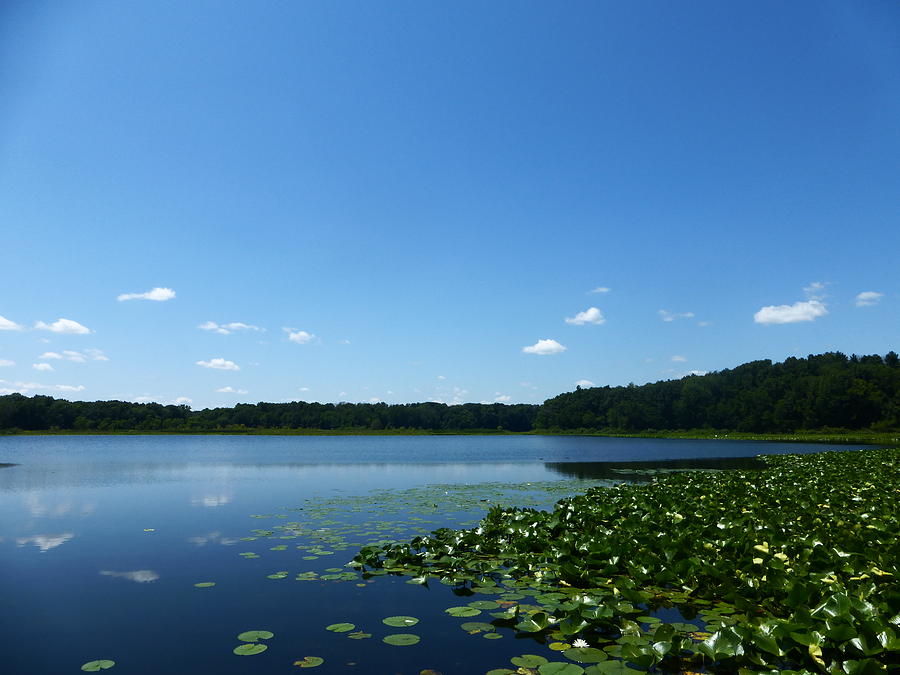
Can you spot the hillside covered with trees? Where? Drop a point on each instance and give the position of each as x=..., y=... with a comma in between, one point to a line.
x=826, y=391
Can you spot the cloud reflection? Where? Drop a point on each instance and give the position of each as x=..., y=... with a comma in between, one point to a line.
x=45, y=541
x=38, y=508
x=212, y=538
x=211, y=500
x=138, y=576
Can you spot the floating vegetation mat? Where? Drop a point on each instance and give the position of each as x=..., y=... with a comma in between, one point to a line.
x=788, y=569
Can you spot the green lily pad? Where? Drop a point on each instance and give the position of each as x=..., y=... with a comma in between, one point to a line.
x=528, y=661
x=462, y=611
x=359, y=635
x=401, y=639
x=585, y=654
x=611, y=668
x=250, y=648
x=501, y=671
x=560, y=668
x=254, y=635
x=400, y=621
x=492, y=636
x=309, y=662
x=277, y=575
x=477, y=627
x=340, y=627
x=102, y=664
x=205, y=584
x=484, y=604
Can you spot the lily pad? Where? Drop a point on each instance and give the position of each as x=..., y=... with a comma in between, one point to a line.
x=102, y=664
x=359, y=635
x=400, y=621
x=250, y=648
x=401, y=639
x=528, y=661
x=477, y=627
x=560, y=668
x=205, y=584
x=309, y=662
x=462, y=611
x=585, y=654
x=340, y=627
x=254, y=635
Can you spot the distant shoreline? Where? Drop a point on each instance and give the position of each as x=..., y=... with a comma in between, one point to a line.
x=841, y=438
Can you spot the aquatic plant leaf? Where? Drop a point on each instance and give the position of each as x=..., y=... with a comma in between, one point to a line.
x=462, y=611
x=401, y=639
x=250, y=648
x=340, y=627
x=205, y=584
x=400, y=621
x=528, y=661
x=585, y=654
x=309, y=662
x=102, y=664
x=358, y=635
x=254, y=635
x=560, y=668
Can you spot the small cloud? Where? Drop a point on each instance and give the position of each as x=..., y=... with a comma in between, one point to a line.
x=528, y=385
x=228, y=328
x=799, y=311
x=696, y=372
x=704, y=324
x=67, y=387
x=302, y=388
x=668, y=316
x=345, y=341
x=6, y=362
x=501, y=398
x=679, y=359
x=585, y=383
x=374, y=399
x=219, y=364
x=232, y=390
x=868, y=298
x=157, y=294
x=301, y=337
x=544, y=347
x=590, y=315
x=64, y=326
x=42, y=366
x=6, y=324
x=50, y=355
x=183, y=400
x=600, y=289
x=138, y=576
x=342, y=394
x=815, y=291
x=442, y=377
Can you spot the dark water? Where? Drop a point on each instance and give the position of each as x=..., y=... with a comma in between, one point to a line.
x=103, y=538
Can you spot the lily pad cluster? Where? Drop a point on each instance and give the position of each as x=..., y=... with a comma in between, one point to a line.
x=792, y=568
x=251, y=645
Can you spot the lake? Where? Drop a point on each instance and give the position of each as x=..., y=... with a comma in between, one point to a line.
x=104, y=538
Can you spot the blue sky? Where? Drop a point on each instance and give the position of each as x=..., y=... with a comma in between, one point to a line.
x=406, y=201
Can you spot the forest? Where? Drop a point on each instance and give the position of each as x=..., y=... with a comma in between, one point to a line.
x=820, y=392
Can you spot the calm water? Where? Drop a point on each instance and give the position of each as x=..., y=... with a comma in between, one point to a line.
x=102, y=539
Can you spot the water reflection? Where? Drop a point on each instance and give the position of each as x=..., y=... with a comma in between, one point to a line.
x=45, y=542
x=212, y=538
x=138, y=576
x=211, y=500
x=635, y=472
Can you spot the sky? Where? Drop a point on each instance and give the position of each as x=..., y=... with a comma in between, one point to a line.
x=220, y=202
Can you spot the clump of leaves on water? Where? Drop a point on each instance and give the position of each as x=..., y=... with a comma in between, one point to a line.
x=792, y=569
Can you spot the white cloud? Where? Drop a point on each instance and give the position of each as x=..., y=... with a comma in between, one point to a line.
x=544, y=347
x=868, y=298
x=231, y=390
x=301, y=337
x=6, y=324
x=228, y=328
x=696, y=372
x=67, y=387
x=815, y=291
x=138, y=576
x=219, y=364
x=590, y=315
x=501, y=398
x=799, y=311
x=183, y=400
x=345, y=341
x=442, y=377
x=585, y=383
x=64, y=326
x=302, y=388
x=6, y=362
x=157, y=294
x=666, y=315
x=50, y=355
x=703, y=324
x=42, y=366
x=76, y=356
x=600, y=289
x=679, y=359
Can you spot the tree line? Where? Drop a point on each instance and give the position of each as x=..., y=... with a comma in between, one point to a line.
x=825, y=391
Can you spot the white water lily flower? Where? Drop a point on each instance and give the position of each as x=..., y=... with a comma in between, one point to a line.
x=580, y=643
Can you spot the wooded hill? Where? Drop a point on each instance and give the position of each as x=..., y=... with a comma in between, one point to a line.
x=826, y=391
